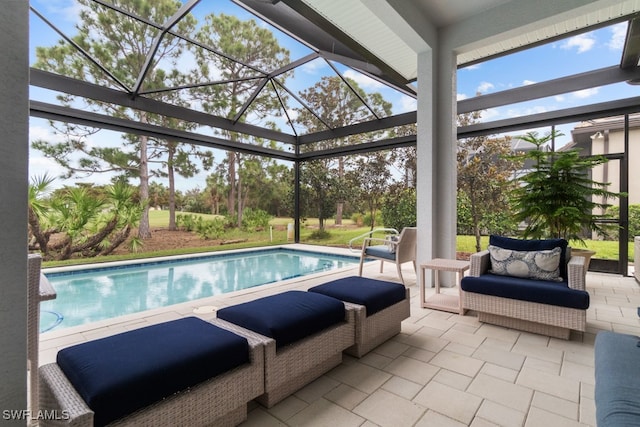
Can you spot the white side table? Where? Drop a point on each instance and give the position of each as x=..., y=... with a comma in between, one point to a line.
x=445, y=302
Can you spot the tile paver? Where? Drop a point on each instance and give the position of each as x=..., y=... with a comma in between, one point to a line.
x=443, y=370
x=508, y=394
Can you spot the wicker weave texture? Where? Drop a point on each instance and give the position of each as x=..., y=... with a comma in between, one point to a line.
x=220, y=401
x=528, y=316
x=39, y=289
x=524, y=325
x=564, y=317
x=373, y=330
x=290, y=368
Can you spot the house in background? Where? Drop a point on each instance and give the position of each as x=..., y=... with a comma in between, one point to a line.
x=606, y=136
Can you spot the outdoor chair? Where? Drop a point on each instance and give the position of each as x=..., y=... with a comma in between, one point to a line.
x=396, y=251
x=39, y=289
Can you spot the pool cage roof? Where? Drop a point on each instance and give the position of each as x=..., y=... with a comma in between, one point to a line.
x=316, y=35
x=344, y=62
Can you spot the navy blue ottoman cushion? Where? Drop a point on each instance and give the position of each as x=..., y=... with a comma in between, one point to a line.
x=617, y=372
x=540, y=291
x=375, y=295
x=286, y=317
x=119, y=374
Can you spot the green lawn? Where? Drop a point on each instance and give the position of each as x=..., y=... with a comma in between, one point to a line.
x=277, y=234
x=604, y=249
x=161, y=218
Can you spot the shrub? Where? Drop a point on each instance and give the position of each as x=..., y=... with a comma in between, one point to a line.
x=358, y=219
x=320, y=235
x=210, y=229
x=367, y=219
x=634, y=222
x=399, y=209
x=254, y=219
x=187, y=221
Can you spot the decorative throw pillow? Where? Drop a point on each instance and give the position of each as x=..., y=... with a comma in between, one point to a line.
x=535, y=245
x=392, y=241
x=539, y=265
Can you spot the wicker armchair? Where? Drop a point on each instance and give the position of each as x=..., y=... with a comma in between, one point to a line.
x=398, y=252
x=546, y=319
x=39, y=289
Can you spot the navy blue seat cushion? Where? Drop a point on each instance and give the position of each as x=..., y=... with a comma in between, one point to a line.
x=540, y=291
x=534, y=245
x=381, y=251
x=375, y=295
x=617, y=370
x=119, y=374
x=286, y=317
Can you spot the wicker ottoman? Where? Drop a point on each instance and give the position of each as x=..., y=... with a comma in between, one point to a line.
x=183, y=372
x=306, y=335
x=380, y=308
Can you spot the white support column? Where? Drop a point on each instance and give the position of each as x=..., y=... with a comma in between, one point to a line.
x=14, y=151
x=437, y=158
x=426, y=198
x=446, y=176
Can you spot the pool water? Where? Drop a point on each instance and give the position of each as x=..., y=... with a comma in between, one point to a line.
x=89, y=295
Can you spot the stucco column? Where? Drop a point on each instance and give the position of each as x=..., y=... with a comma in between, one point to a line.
x=436, y=158
x=14, y=151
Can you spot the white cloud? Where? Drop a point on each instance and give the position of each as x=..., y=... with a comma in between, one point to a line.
x=40, y=166
x=363, y=81
x=408, y=103
x=68, y=10
x=585, y=93
x=41, y=132
x=485, y=87
x=490, y=114
x=618, y=36
x=471, y=67
x=461, y=96
x=528, y=82
x=583, y=42
x=526, y=111
x=559, y=98
x=312, y=67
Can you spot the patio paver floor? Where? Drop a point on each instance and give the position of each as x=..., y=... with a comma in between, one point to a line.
x=442, y=370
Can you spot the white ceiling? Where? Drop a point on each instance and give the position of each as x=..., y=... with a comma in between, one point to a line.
x=447, y=12
x=396, y=30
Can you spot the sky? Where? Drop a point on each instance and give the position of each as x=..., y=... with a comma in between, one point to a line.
x=584, y=52
x=581, y=53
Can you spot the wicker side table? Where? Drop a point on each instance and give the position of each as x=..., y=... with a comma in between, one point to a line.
x=439, y=301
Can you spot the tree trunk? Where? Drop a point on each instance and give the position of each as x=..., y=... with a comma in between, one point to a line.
x=172, y=188
x=240, y=206
x=41, y=238
x=96, y=239
x=144, y=229
x=231, y=177
x=117, y=240
x=340, y=206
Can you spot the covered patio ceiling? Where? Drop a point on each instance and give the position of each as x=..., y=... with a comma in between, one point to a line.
x=380, y=39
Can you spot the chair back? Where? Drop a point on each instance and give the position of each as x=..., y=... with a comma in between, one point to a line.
x=406, y=247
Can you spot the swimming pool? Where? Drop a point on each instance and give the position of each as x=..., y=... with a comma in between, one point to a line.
x=88, y=295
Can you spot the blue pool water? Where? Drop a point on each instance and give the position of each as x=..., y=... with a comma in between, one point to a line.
x=89, y=295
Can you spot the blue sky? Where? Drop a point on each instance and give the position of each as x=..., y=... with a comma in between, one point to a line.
x=585, y=52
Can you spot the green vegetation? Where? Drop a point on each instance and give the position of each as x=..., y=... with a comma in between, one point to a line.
x=338, y=236
x=557, y=197
x=399, y=209
x=605, y=249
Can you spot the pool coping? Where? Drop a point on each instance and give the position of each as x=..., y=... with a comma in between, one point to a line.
x=52, y=341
